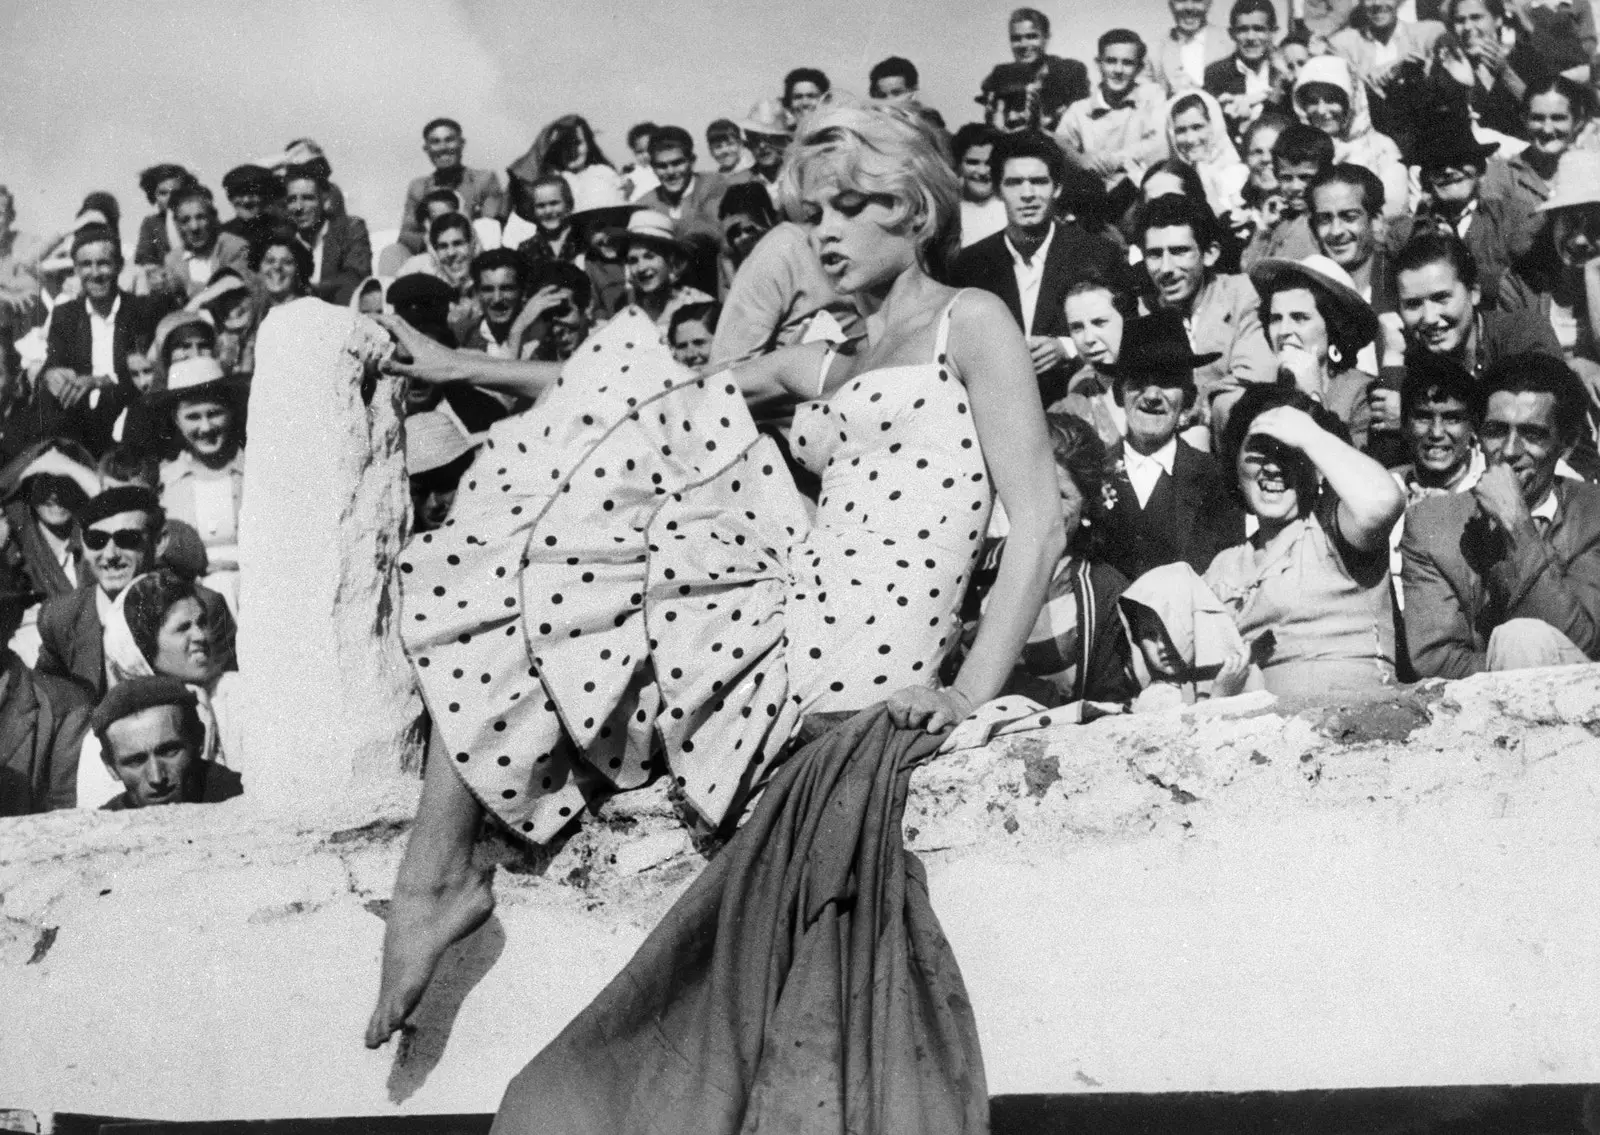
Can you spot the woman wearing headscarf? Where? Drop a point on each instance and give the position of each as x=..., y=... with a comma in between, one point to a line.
x=567, y=147
x=43, y=489
x=1197, y=133
x=1183, y=644
x=1327, y=97
x=158, y=625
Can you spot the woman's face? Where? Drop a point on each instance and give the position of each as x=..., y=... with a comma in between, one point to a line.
x=577, y=152
x=649, y=271
x=141, y=371
x=1163, y=184
x=1293, y=57
x=1028, y=42
x=550, y=209
x=280, y=273
x=54, y=501
x=1551, y=124
x=849, y=230
x=1095, y=326
x=191, y=342
x=204, y=427
x=804, y=97
x=1293, y=321
x=164, y=192
x=1474, y=23
x=740, y=232
x=183, y=644
x=1259, y=158
x=1270, y=475
x=453, y=250
x=1576, y=230
x=691, y=344
x=371, y=302
x=1191, y=134
x=1160, y=655
x=1325, y=107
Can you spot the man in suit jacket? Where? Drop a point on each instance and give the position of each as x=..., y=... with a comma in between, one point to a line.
x=1190, y=45
x=341, y=250
x=124, y=522
x=1171, y=500
x=204, y=249
x=1035, y=260
x=691, y=200
x=1221, y=312
x=479, y=189
x=1507, y=575
x=86, y=384
x=1245, y=81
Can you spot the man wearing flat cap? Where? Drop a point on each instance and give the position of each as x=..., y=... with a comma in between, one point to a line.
x=151, y=736
x=119, y=529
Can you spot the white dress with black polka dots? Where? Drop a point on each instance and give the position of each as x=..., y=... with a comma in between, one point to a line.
x=629, y=560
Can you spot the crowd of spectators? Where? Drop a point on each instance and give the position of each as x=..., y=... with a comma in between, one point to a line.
x=1314, y=313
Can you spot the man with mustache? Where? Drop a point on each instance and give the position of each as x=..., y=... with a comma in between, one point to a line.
x=1171, y=501
x=1507, y=574
x=1181, y=246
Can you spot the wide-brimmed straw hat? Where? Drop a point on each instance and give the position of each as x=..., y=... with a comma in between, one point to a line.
x=434, y=439
x=1577, y=181
x=768, y=117
x=1354, y=323
x=646, y=226
x=199, y=377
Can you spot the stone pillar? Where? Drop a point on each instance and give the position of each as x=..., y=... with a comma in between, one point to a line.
x=328, y=698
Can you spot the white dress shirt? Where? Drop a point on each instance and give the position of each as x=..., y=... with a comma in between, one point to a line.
x=1030, y=274
x=102, y=334
x=1193, y=57
x=1144, y=472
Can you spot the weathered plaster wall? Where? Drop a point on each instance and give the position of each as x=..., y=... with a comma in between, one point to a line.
x=1399, y=893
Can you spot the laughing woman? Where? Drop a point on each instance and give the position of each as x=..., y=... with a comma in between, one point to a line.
x=630, y=581
x=1316, y=572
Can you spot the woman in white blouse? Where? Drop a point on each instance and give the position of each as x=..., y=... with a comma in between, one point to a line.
x=204, y=485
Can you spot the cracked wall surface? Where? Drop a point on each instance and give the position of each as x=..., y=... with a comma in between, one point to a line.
x=1249, y=895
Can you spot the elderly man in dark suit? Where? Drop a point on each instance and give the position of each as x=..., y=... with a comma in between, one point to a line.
x=1507, y=575
x=341, y=250
x=1033, y=262
x=120, y=528
x=1171, y=500
x=86, y=383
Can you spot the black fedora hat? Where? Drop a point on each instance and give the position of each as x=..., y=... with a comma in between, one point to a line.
x=1158, y=344
x=1447, y=140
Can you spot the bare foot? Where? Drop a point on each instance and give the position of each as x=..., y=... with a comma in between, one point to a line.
x=423, y=922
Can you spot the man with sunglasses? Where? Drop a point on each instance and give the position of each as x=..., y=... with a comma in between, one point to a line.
x=120, y=528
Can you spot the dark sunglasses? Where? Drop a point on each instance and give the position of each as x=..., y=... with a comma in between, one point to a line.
x=128, y=539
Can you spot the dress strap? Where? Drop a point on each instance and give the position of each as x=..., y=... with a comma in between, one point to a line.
x=941, y=339
x=828, y=355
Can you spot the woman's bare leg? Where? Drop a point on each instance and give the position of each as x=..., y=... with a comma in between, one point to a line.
x=439, y=896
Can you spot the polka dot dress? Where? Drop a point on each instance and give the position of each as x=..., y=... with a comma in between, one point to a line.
x=629, y=577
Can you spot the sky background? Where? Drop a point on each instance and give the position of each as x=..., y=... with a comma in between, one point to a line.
x=93, y=92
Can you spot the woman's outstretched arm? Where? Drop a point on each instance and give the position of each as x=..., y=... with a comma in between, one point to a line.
x=990, y=355
x=427, y=361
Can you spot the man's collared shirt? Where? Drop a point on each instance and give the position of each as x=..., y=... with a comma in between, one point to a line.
x=1464, y=221
x=1258, y=79
x=202, y=268
x=316, y=252
x=102, y=336
x=493, y=347
x=1546, y=511
x=1144, y=472
x=1193, y=56
x=676, y=211
x=1030, y=274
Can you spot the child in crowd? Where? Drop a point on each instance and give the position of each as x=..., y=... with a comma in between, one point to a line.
x=1299, y=154
x=1185, y=645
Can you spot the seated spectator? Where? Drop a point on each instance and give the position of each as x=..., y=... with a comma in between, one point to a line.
x=452, y=245
x=1569, y=273
x=497, y=284
x=341, y=250
x=304, y=157
x=1181, y=245
x=438, y=453
x=1316, y=571
x=803, y=89
x=567, y=146
x=1037, y=258
x=1076, y=650
x=1198, y=135
x=1326, y=97
x=1317, y=325
x=42, y=722
x=725, y=144
x=1119, y=129
x=371, y=298
x=556, y=319
x=424, y=302
x=1488, y=58
x=746, y=215
x=1060, y=82
x=1436, y=280
x=284, y=268
x=1010, y=98
x=203, y=486
x=45, y=488
x=894, y=80
x=1300, y=155
x=1175, y=177
x=1182, y=640
x=1096, y=314
x=1255, y=146
x=156, y=237
x=982, y=213
x=1247, y=81
x=1452, y=163
x=690, y=332
x=637, y=177
x=1168, y=502
x=119, y=529
x=85, y=383
x=479, y=190
x=204, y=249
x=657, y=262
x=1191, y=45
x=151, y=735
x=257, y=200
x=235, y=309
x=689, y=200
x=602, y=233
x=179, y=548
x=540, y=225
x=1554, y=116
x=1387, y=54
x=1507, y=574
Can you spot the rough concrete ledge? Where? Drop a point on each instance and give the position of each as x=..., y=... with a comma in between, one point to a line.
x=1235, y=897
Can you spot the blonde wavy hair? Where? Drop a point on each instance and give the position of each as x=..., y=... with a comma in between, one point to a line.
x=878, y=148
